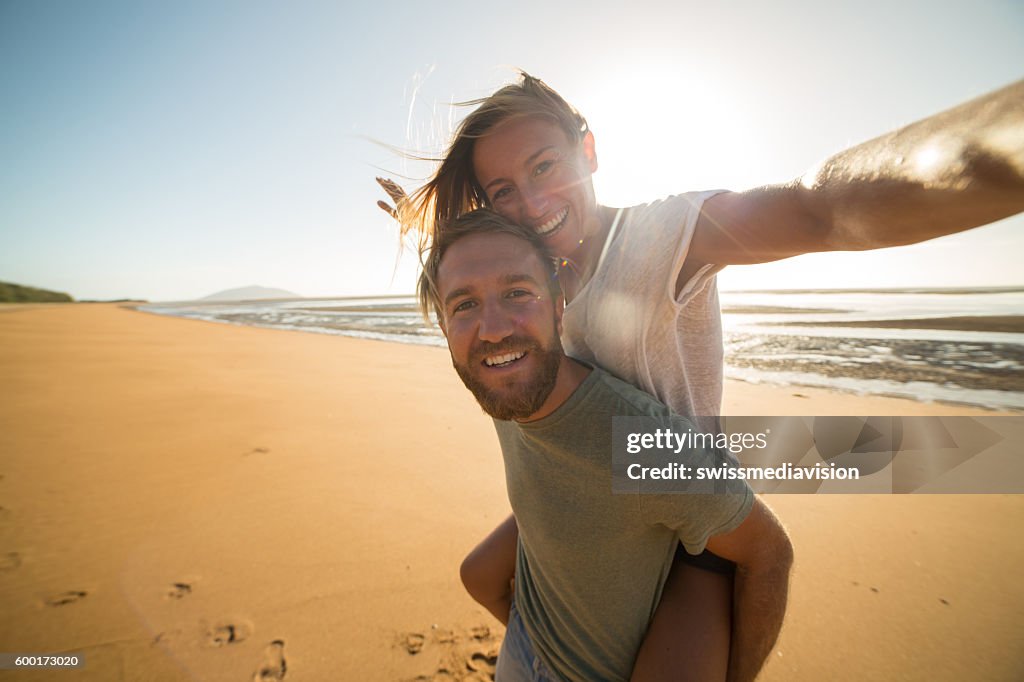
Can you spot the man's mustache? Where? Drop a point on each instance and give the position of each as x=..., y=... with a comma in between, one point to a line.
x=512, y=344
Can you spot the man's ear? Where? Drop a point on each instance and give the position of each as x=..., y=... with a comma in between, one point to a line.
x=590, y=151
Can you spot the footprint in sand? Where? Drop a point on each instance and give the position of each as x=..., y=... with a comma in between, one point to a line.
x=228, y=632
x=10, y=561
x=444, y=636
x=179, y=590
x=412, y=643
x=273, y=667
x=257, y=451
x=483, y=662
x=463, y=656
x=476, y=666
x=65, y=598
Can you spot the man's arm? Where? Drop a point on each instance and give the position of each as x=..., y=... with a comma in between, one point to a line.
x=953, y=171
x=763, y=556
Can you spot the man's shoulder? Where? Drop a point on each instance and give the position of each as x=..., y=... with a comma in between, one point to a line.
x=600, y=396
x=629, y=400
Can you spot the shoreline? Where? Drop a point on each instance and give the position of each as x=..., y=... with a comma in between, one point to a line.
x=177, y=497
x=1013, y=324
x=813, y=385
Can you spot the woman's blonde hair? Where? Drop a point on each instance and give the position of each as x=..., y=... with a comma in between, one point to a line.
x=453, y=190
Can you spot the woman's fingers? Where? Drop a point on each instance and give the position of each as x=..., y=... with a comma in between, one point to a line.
x=388, y=208
x=396, y=193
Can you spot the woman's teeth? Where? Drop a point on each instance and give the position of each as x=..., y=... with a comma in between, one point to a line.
x=553, y=223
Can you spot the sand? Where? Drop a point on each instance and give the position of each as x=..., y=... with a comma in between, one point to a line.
x=184, y=500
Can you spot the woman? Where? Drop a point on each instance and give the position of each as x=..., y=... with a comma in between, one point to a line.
x=641, y=300
x=529, y=155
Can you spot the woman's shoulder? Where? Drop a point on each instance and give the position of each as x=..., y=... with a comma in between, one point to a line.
x=675, y=210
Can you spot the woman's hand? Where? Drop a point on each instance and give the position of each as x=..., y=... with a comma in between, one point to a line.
x=397, y=194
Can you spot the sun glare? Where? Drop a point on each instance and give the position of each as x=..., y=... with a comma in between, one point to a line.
x=661, y=132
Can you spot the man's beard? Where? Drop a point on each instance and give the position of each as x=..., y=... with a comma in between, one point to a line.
x=525, y=395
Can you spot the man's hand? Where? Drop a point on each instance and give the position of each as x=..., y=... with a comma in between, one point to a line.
x=763, y=555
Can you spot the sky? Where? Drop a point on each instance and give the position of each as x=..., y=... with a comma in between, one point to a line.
x=167, y=151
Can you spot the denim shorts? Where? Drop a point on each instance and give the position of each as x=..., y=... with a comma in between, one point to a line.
x=517, y=661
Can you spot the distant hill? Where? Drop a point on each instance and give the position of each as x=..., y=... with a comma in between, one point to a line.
x=252, y=293
x=16, y=293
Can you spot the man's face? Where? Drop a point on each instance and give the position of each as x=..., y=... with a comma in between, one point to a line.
x=501, y=322
x=534, y=176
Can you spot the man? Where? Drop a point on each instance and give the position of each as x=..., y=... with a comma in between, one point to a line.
x=590, y=565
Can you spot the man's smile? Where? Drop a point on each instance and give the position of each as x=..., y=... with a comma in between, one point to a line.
x=504, y=359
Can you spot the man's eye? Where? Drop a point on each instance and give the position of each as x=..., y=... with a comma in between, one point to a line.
x=465, y=305
x=519, y=293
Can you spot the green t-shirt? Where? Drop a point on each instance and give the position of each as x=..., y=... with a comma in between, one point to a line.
x=591, y=565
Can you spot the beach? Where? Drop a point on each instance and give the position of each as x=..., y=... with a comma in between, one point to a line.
x=962, y=346
x=189, y=500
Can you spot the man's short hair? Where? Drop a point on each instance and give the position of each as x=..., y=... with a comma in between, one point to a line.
x=480, y=221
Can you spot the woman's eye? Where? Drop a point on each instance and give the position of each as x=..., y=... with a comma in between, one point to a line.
x=542, y=167
x=501, y=194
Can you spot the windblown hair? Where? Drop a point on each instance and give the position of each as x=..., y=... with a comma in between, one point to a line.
x=453, y=190
x=480, y=221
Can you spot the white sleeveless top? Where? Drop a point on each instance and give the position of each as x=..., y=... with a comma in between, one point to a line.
x=628, y=321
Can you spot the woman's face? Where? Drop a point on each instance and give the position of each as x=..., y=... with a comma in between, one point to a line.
x=532, y=174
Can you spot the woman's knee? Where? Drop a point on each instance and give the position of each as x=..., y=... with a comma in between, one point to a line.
x=479, y=578
x=469, y=572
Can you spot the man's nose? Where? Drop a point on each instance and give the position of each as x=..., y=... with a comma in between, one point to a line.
x=495, y=324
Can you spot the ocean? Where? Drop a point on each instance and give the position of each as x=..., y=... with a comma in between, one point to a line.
x=951, y=345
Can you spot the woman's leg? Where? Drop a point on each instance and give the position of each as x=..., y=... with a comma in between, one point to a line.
x=689, y=635
x=691, y=630
x=488, y=571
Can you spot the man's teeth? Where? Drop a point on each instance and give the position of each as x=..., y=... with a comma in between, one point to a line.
x=554, y=222
x=503, y=359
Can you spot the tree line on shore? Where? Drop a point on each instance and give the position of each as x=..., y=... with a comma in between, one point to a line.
x=16, y=293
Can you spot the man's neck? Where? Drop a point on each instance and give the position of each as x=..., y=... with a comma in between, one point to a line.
x=570, y=375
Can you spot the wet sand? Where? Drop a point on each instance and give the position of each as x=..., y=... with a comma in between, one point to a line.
x=184, y=500
x=1013, y=324
x=775, y=310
